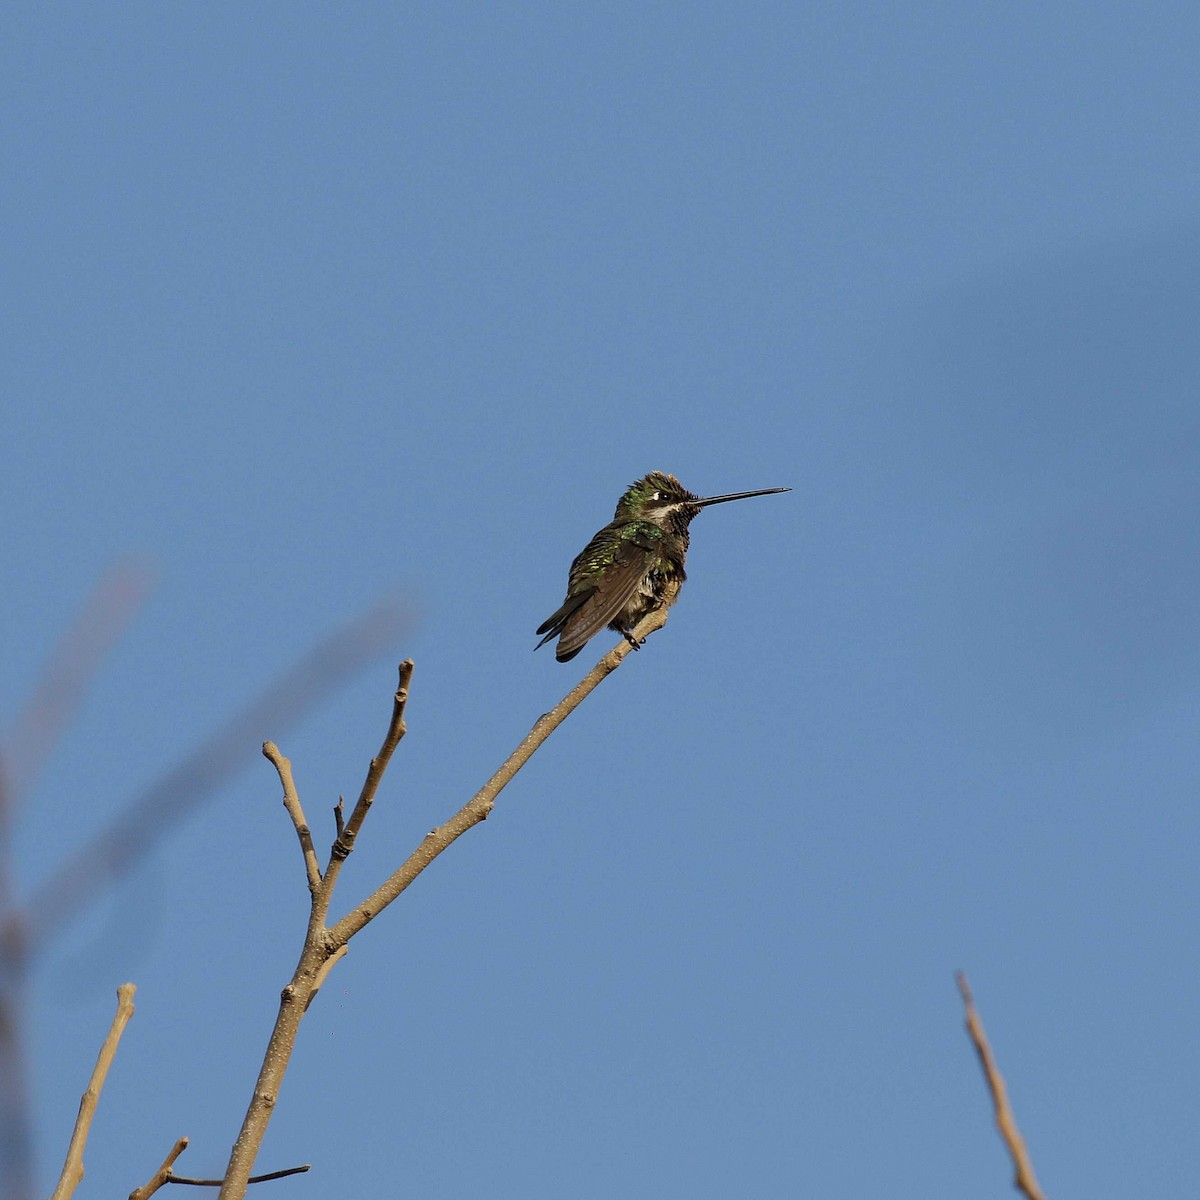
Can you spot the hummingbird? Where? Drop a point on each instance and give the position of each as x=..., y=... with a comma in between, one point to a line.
x=633, y=565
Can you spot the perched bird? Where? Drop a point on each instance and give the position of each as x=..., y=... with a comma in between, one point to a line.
x=633, y=565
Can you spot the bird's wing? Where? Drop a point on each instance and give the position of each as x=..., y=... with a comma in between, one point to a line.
x=621, y=579
x=552, y=625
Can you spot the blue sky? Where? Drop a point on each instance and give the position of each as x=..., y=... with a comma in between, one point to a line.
x=307, y=305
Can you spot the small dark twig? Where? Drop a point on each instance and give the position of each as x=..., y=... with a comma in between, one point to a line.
x=253, y=1178
x=1006, y=1122
x=339, y=815
x=165, y=1175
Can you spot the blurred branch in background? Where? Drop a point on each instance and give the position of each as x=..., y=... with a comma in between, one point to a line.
x=52, y=705
x=114, y=851
x=27, y=927
x=77, y=658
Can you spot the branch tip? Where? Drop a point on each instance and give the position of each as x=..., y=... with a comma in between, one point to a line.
x=72, y=1171
x=162, y=1175
x=1006, y=1122
x=344, y=842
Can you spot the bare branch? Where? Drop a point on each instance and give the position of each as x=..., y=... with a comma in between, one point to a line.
x=293, y=1002
x=162, y=1175
x=379, y=764
x=1006, y=1122
x=480, y=805
x=72, y=1171
x=339, y=816
x=291, y=801
x=323, y=946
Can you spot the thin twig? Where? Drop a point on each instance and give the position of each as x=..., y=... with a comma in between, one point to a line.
x=339, y=816
x=72, y=1171
x=480, y=805
x=379, y=764
x=1006, y=1122
x=291, y=801
x=253, y=1178
x=162, y=1175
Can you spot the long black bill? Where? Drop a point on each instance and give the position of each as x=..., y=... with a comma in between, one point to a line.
x=738, y=496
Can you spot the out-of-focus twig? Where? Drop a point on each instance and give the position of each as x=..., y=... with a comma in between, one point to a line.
x=1025, y=1180
x=56, y=697
x=117, y=848
x=53, y=702
x=27, y=928
x=72, y=1171
x=16, y=1129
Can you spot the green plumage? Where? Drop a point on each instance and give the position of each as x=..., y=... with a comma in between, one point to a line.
x=632, y=566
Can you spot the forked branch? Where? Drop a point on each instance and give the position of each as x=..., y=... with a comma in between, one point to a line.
x=324, y=944
x=165, y=1174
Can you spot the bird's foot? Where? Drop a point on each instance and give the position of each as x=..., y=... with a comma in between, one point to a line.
x=637, y=645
